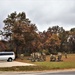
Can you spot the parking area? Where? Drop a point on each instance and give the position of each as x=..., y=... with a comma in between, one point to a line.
x=14, y=63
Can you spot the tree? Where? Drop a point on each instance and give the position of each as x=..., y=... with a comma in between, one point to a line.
x=3, y=45
x=60, y=33
x=55, y=30
x=71, y=40
x=20, y=30
x=53, y=43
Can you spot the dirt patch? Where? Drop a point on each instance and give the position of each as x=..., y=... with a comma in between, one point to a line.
x=14, y=63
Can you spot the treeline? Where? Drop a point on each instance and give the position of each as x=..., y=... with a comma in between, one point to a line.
x=23, y=37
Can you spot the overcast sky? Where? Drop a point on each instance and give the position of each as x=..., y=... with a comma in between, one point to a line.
x=43, y=13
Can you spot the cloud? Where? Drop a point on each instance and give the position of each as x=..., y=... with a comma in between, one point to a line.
x=44, y=13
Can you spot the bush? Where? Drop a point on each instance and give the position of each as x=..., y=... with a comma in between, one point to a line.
x=46, y=51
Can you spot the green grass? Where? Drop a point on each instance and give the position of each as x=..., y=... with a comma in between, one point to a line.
x=24, y=68
x=57, y=65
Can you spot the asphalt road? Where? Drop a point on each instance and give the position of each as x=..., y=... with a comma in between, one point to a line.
x=38, y=73
x=61, y=73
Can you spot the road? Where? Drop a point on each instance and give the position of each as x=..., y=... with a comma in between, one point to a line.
x=39, y=73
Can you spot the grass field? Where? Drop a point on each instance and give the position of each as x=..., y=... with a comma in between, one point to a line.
x=66, y=63
x=46, y=65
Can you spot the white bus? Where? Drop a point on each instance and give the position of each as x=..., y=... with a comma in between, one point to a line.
x=9, y=56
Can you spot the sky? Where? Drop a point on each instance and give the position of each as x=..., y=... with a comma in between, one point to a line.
x=43, y=13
